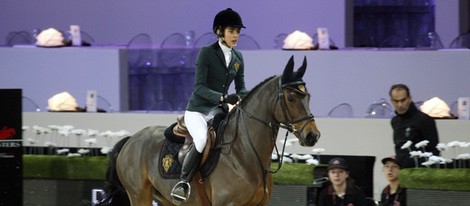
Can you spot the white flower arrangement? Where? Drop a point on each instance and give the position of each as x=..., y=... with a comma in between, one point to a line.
x=93, y=132
x=422, y=144
x=78, y=132
x=38, y=129
x=312, y=162
x=416, y=154
x=274, y=156
x=73, y=155
x=31, y=141
x=54, y=127
x=407, y=145
x=106, y=150
x=287, y=160
x=318, y=150
x=453, y=144
x=91, y=141
x=441, y=147
x=61, y=151
x=464, y=144
x=83, y=151
x=106, y=134
x=464, y=156
x=67, y=127
x=50, y=144
x=64, y=132
x=46, y=130
x=428, y=163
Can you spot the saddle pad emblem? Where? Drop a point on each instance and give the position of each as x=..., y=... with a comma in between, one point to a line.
x=167, y=162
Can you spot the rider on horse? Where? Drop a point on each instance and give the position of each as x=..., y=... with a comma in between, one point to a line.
x=217, y=66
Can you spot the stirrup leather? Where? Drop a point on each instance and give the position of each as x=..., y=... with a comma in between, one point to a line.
x=181, y=187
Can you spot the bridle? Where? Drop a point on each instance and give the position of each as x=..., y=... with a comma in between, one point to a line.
x=288, y=125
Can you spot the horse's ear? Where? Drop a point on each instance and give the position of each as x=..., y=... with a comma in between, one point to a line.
x=301, y=71
x=287, y=74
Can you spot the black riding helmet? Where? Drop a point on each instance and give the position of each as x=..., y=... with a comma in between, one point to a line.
x=225, y=18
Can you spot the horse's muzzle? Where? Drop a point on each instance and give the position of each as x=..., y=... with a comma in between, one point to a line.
x=312, y=138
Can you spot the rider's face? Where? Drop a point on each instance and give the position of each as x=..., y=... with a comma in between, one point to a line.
x=231, y=35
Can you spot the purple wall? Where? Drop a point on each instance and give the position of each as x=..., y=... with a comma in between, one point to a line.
x=116, y=22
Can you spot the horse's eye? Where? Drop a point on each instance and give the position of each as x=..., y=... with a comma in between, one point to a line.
x=290, y=98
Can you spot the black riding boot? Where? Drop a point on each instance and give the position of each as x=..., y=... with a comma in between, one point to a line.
x=182, y=189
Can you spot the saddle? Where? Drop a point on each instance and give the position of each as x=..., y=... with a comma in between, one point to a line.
x=178, y=142
x=180, y=130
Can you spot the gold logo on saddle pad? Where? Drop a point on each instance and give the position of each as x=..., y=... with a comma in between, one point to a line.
x=167, y=162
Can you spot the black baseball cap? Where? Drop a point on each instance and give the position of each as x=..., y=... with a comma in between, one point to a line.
x=337, y=162
x=390, y=159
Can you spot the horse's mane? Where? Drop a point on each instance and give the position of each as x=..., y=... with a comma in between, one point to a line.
x=257, y=87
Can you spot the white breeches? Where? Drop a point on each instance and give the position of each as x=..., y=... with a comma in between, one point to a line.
x=197, y=126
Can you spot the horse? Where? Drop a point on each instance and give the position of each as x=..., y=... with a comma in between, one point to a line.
x=242, y=174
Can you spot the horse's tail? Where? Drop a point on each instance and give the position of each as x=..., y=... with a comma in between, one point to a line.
x=114, y=192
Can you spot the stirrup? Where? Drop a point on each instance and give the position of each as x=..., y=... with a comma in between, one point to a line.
x=181, y=187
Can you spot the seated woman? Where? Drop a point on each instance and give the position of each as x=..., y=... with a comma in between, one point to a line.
x=341, y=190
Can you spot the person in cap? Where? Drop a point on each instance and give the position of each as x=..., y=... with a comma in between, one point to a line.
x=341, y=191
x=392, y=194
x=217, y=66
x=410, y=124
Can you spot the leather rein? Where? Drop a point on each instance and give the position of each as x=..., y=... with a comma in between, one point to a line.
x=288, y=125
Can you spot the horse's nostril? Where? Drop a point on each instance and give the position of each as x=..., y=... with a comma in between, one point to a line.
x=312, y=138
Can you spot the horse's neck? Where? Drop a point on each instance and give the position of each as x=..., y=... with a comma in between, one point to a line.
x=255, y=135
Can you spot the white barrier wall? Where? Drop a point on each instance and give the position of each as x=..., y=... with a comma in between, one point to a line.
x=360, y=137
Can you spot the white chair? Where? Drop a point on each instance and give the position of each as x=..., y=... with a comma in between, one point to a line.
x=380, y=109
x=174, y=61
x=246, y=42
x=343, y=110
x=454, y=111
x=139, y=51
x=430, y=41
x=462, y=41
x=86, y=38
x=104, y=104
x=205, y=39
x=172, y=51
x=19, y=38
x=279, y=40
x=29, y=105
x=141, y=61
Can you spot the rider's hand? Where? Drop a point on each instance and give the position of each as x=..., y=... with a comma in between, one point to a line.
x=231, y=98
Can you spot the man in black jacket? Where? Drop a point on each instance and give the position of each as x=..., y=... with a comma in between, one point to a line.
x=410, y=124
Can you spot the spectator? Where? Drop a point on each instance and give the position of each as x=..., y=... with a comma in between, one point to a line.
x=392, y=194
x=341, y=190
x=410, y=124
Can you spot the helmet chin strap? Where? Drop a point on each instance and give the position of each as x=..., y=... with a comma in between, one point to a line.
x=224, y=42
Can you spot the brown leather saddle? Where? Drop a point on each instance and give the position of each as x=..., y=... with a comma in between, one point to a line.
x=180, y=130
